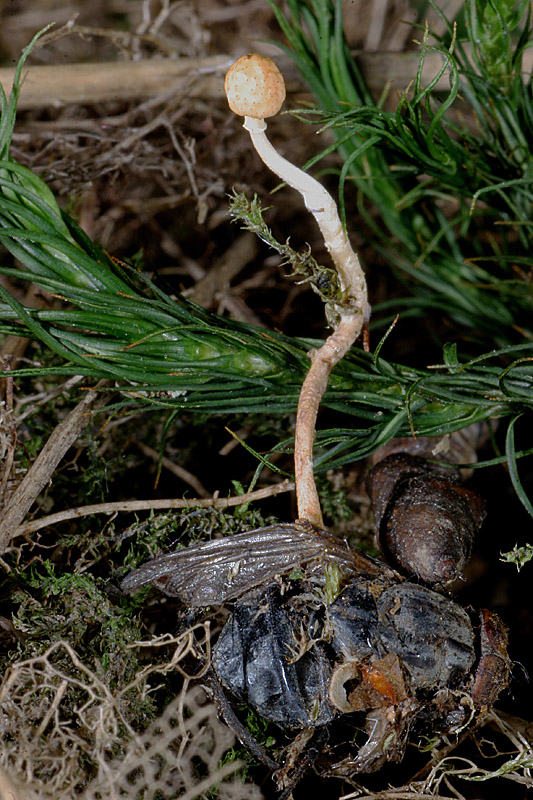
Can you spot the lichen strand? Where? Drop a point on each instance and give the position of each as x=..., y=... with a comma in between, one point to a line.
x=255, y=87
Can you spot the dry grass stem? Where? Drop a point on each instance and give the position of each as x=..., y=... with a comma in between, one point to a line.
x=84, y=84
x=216, y=281
x=63, y=437
x=8, y=436
x=129, y=506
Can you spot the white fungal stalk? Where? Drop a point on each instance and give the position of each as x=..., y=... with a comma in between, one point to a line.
x=256, y=90
x=324, y=209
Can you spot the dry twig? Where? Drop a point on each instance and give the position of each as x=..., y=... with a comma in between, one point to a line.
x=153, y=505
x=64, y=435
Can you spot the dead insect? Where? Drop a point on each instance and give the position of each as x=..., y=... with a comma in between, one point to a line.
x=319, y=631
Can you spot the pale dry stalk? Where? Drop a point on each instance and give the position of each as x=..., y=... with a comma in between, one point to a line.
x=131, y=506
x=61, y=439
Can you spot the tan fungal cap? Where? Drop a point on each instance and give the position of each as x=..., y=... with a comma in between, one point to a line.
x=255, y=87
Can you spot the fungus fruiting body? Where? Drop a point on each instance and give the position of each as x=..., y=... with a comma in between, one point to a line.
x=255, y=87
x=256, y=90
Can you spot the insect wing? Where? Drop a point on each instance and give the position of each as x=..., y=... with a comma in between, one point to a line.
x=224, y=569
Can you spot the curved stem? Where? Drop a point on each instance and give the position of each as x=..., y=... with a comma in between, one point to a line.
x=354, y=313
x=334, y=348
x=322, y=206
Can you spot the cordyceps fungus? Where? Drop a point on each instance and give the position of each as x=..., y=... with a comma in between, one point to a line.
x=256, y=90
x=362, y=640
